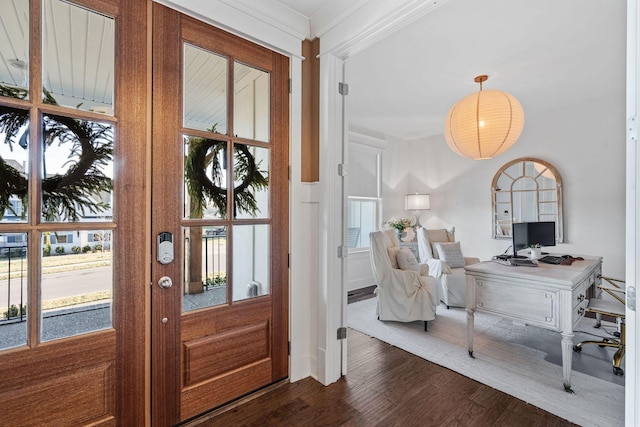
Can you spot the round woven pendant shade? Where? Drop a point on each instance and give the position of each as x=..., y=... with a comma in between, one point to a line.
x=484, y=124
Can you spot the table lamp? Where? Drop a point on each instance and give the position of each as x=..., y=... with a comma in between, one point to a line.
x=417, y=202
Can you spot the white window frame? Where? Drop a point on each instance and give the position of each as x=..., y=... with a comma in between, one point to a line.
x=369, y=146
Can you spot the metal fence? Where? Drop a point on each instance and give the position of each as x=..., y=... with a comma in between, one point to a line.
x=15, y=259
x=215, y=260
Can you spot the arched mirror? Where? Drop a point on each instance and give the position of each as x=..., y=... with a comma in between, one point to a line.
x=526, y=190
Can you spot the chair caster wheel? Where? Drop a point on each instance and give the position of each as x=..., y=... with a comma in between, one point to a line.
x=577, y=349
x=618, y=371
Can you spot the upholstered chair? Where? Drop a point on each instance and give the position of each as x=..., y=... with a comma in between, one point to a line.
x=405, y=291
x=439, y=250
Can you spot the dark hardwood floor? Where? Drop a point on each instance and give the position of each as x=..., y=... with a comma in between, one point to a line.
x=385, y=386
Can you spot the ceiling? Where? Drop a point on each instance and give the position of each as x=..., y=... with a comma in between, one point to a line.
x=548, y=54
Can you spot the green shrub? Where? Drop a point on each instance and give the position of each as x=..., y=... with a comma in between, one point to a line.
x=97, y=248
x=75, y=249
x=217, y=280
x=86, y=248
x=46, y=251
x=18, y=252
x=59, y=250
x=15, y=311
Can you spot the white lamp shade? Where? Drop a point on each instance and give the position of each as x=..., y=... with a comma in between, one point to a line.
x=417, y=202
x=484, y=124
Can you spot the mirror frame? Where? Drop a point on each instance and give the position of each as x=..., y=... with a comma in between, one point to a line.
x=495, y=215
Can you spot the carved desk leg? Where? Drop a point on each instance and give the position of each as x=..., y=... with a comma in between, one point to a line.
x=470, y=318
x=567, y=346
x=471, y=308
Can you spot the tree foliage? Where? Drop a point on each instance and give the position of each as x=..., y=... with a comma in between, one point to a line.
x=208, y=154
x=65, y=196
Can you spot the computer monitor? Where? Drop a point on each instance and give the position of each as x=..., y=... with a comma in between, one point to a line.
x=527, y=234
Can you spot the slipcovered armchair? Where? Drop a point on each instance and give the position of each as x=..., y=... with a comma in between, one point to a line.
x=440, y=251
x=403, y=294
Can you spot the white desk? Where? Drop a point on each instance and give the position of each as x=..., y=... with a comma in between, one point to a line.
x=549, y=296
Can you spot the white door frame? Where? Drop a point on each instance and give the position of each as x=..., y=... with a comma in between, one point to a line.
x=632, y=364
x=350, y=36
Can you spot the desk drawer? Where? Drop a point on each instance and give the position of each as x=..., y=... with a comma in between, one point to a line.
x=579, y=300
x=580, y=296
x=533, y=306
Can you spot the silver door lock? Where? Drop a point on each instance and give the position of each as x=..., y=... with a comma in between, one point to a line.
x=165, y=282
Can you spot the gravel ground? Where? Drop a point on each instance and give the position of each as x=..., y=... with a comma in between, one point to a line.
x=88, y=318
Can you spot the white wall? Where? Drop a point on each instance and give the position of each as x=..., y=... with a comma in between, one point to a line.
x=586, y=143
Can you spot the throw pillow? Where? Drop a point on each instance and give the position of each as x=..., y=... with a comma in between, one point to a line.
x=450, y=253
x=393, y=256
x=440, y=235
x=406, y=259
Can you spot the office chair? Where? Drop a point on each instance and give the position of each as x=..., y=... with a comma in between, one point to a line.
x=609, y=308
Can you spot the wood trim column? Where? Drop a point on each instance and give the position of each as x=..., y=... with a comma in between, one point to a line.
x=310, y=111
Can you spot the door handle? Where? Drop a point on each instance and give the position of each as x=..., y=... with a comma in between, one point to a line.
x=165, y=282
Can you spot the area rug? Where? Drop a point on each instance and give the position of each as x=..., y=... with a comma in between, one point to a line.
x=506, y=358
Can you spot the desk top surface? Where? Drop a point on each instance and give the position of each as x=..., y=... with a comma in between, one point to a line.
x=565, y=274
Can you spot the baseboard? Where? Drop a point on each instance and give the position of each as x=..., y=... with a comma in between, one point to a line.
x=360, y=294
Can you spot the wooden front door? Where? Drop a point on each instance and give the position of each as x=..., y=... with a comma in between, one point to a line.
x=73, y=246
x=219, y=217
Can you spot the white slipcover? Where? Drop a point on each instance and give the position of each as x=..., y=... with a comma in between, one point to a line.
x=452, y=282
x=403, y=295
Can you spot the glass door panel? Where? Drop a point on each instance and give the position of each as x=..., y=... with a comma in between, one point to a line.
x=76, y=282
x=205, y=267
x=77, y=170
x=205, y=90
x=77, y=57
x=250, y=103
x=13, y=290
x=251, y=181
x=250, y=261
x=14, y=48
x=205, y=178
x=14, y=164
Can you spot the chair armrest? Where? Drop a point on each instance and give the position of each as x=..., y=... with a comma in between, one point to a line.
x=437, y=267
x=471, y=260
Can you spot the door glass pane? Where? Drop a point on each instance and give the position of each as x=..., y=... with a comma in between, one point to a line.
x=14, y=48
x=205, y=90
x=250, y=103
x=205, y=267
x=13, y=290
x=250, y=261
x=77, y=57
x=251, y=181
x=205, y=178
x=77, y=170
x=76, y=282
x=14, y=164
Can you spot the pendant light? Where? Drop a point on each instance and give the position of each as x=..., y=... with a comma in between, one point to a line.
x=484, y=124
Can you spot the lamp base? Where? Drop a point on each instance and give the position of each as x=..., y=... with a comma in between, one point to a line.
x=415, y=228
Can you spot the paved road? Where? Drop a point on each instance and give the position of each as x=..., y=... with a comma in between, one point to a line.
x=60, y=285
